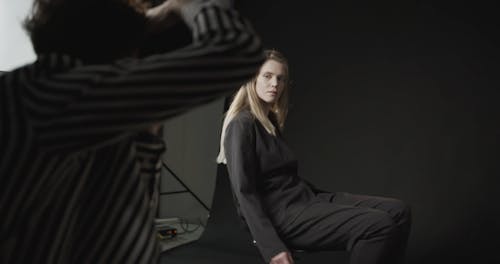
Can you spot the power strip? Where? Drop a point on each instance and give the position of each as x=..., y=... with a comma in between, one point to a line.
x=167, y=232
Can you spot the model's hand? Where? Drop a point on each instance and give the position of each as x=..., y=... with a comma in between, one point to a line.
x=282, y=258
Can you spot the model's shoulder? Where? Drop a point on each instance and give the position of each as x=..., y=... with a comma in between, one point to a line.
x=245, y=118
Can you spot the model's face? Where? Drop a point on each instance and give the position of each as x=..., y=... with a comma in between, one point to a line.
x=271, y=81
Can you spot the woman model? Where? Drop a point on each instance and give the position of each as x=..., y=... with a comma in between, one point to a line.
x=283, y=211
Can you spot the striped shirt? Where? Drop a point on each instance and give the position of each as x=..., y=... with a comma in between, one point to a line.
x=75, y=174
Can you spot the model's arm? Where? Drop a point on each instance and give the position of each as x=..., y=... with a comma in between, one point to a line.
x=314, y=188
x=239, y=147
x=84, y=106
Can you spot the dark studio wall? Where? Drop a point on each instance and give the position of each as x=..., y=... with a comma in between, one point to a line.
x=398, y=98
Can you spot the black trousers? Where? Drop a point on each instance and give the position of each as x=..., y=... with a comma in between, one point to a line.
x=374, y=229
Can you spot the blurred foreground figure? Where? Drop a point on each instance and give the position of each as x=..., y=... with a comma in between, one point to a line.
x=78, y=155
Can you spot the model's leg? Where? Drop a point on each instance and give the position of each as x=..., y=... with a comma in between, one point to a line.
x=398, y=210
x=369, y=234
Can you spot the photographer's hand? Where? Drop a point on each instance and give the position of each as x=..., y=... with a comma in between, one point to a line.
x=165, y=15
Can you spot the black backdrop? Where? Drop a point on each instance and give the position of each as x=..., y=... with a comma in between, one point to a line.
x=398, y=98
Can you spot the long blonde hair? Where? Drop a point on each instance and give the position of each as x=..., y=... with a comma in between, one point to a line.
x=247, y=99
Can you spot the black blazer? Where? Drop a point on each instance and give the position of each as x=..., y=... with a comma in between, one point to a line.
x=263, y=173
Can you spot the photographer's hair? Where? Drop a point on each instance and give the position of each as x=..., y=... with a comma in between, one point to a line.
x=247, y=99
x=95, y=31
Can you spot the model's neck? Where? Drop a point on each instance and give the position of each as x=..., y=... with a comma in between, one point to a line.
x=267, y=108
